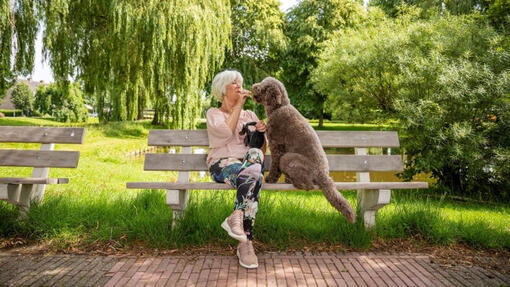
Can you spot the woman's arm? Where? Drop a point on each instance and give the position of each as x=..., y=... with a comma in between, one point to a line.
x=233, y=118
x=236, y=110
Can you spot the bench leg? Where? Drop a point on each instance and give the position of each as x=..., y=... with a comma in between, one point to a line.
x=25, y=198
x=13, y=193
x=369, y=201
x=42, y=172
x=177, y=200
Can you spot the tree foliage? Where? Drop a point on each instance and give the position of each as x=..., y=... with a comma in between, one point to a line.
x=308, y=25
x=499, y=15
x=432, y=7
x=126, y=52
x=18, y=22
x=22, y=98
x=445, y=79
x=63, y=102
x=257, y=40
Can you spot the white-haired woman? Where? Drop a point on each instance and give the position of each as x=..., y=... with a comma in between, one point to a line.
x=230, y=161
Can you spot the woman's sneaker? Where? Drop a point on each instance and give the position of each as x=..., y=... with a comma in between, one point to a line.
x=234, y=226
x=246, y=255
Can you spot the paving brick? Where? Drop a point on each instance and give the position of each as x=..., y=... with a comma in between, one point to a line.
x=115, y=279
x=275, y=269
x=145, y=265
x=172, y=281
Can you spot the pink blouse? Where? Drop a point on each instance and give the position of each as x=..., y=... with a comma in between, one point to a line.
x=222, y=143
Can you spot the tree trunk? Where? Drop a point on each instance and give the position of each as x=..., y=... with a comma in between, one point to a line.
x=321, y=116
x=155, y=120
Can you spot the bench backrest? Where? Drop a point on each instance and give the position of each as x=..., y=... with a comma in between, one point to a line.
x=46, y=157
x=361, y=162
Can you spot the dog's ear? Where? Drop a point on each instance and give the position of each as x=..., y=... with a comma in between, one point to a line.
x=273, y=96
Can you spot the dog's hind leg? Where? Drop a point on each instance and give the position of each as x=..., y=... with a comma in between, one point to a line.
x=295, y=167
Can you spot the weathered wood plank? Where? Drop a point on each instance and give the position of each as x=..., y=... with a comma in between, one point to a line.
x=276, y=186
x=18, y=180
x=196, y=162
x=38, y=158
x=42, y=135
x=340, y=139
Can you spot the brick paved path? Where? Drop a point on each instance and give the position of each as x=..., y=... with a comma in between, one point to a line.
x=327, y=269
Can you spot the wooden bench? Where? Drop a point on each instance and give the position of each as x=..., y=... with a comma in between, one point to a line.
x=22, y=191
x=371, y=195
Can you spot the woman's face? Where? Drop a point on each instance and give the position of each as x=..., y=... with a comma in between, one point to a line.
x=233, y=90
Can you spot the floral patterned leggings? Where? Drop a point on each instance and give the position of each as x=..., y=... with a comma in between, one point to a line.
x=246, y=176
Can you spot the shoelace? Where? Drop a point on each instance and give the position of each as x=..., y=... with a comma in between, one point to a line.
x=237, y=218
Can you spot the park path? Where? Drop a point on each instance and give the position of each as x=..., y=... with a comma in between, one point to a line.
x=275, y=269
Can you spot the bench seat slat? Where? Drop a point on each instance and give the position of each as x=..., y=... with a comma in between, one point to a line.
x=39, y=158
x=275, y=186
x=18, y=180
x=196, y=162
x=42, y=135
x=339, y=139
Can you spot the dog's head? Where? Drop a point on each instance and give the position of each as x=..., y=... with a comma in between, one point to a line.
x=271, y=93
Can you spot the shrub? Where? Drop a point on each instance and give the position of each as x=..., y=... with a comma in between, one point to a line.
x=10, y=113
x=461, y=134
x=22, y=98
x=63, y=102
x=446, y=79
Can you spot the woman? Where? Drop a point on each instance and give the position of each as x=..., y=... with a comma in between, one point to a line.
x=230, y=161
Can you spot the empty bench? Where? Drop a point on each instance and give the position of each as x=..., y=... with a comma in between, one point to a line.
x=371, y=195
x=22, y=191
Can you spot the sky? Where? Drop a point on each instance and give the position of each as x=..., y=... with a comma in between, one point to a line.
x=42, y=70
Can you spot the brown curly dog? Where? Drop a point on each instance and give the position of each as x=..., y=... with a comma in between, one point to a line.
x=296, y=150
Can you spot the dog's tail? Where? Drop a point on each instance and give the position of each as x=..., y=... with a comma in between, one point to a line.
x=335, y=198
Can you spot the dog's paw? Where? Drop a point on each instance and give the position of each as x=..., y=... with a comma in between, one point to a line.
x=271, y=179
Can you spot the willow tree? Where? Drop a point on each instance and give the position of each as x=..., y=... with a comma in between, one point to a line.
x=18, y=26
x=127, y=52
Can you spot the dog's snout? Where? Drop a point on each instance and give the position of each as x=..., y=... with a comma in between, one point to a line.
x=255, y=91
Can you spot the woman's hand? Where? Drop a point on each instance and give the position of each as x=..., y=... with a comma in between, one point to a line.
x=260, y=126
x=243, y=95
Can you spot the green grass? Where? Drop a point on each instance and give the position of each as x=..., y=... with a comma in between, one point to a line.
x=96, y=208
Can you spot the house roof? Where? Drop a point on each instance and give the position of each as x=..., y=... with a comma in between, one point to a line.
x=6, y=103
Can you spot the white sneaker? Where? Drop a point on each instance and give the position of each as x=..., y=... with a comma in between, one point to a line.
x=234, y=226
x=246, y=255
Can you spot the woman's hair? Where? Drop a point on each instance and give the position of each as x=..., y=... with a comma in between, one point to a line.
x=221, y=80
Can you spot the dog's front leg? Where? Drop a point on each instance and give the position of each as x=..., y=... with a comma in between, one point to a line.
x=274, y=171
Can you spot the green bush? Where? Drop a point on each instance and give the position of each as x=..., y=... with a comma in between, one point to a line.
x=22, y=98
x=63, y=102
x=10, y=113
x=446, y=79
x=461, y=134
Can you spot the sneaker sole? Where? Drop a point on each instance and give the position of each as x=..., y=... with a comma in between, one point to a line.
x=253, y=266
x=241, y=238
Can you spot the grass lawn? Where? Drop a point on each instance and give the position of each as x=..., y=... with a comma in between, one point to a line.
x=95, y=208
